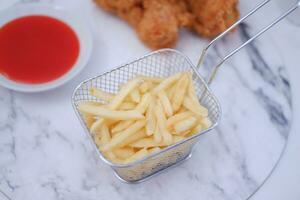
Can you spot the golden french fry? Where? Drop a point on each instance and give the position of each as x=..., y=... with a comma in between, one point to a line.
x=121, y=126
x=110, y=114
x=137, y=156
x=135, y=96
x=166, y=83
x=123, y=153
x=143, y=105
x=191, y=89
x=146, y=86
x=120, y=137
x=101, y=94
x=157, y=135
x=185, y=125
x=178, y=117
x=150, y=119
x=196, y=129
x=96, y=126
x=125, y=90
x=104, y=134
x=97, y=139
x=112, y=157
x=167, y=107
x=136, y=136
x=181, y=110
x=180, y=91
x=162, y=123
x=206, y=123
x=127, y=106
x=195, y=108
x=88, y=119
x=177, y=138
x=170, y=92
x=185, y=133
x=154, y=150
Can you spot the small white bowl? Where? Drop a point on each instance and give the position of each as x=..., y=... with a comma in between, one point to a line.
x=79, y=27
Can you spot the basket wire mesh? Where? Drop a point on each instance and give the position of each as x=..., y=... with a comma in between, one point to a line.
x=162, y=63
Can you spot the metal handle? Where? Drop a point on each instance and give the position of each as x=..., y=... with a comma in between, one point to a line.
x=215, y=69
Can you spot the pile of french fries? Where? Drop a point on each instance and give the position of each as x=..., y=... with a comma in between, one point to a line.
x=145, y=116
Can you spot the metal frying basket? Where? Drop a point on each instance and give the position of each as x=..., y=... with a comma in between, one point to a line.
x=161, y=63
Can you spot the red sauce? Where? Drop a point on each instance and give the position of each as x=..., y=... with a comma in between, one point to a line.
x=37, y=49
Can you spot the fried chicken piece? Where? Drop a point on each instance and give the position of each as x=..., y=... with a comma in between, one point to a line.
x=159, y=26
x=213, y=16
x=157, y=22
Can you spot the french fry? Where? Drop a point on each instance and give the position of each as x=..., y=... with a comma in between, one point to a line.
x=185, y=125
x=135, y=95
x=150, y=119
x=105, y=135
x=177, y=118
x=137, y=156
x=111, y=156
x=185, y=133
x=96, y=126
x=177, y=138
x=125, y=90
x=110, y=114
x=146, y=86
x=127, y=106
x=166, y=83
x=170, y=92
x=191, y=89
x=181, y=110
x=121, y=126
x=206, y=123
x=119, y=138
x=154, y=150
x=88, y=119
x=101, y=94
x=136, y=136
x=195, y=108
x=162, y=123
x=180, y=91
x=196, y=129
x=143, y=105
x=124, y=153
x=167, y=107
x=157, y=135
x=97, y=139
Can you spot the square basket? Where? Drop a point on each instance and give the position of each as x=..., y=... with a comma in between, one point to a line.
x=161, y=63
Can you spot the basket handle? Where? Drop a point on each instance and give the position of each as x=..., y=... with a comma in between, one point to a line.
x=215, y=69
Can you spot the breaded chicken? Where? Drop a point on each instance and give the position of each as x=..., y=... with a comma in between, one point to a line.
x=157, y=22
x=213, y=16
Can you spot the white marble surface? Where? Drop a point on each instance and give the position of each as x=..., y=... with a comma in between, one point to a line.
x=45, y=154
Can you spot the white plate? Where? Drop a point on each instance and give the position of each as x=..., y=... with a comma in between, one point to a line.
x=80, y=28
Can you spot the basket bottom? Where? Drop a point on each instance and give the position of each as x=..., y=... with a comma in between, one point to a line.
x=189, y=155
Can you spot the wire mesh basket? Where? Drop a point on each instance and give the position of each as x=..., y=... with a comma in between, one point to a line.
x=162, y=63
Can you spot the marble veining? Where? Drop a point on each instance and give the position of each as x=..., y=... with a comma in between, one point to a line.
x=44, y=153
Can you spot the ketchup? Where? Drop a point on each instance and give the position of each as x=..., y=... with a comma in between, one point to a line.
x=37, y=49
